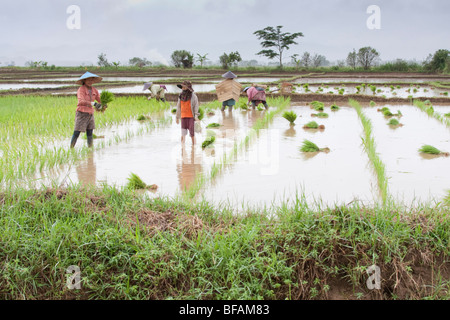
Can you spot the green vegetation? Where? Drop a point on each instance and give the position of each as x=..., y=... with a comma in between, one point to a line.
x=213, y=125
x=46, y=125
x=428, y=149
x=393, y=122
x=334, y=107
x=317, y=105
x=311, y=125
x=208, y=141
x=372, y=103
x=106, y=97
x=370, y=147
x=160, y=248
x=428, y=108
x=320, y=115
x=309, y=146
x=290, y=116
x=135, y=182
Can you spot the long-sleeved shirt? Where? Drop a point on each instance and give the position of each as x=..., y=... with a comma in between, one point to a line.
x=254, y=94
x=85, y=98
x=194, y=107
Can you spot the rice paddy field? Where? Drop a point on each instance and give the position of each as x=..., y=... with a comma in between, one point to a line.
x=293, y=202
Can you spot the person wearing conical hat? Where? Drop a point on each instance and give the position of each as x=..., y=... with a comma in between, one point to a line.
x=156, y=91
x=84, y=117
x=228, y=90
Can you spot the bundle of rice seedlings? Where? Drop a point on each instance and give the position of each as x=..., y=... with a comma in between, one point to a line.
x=373, y=88
x=372, y=103
x=309, y=146
x=290, y=116
x=311, y=125
x=393, y=122
x=334, y=107
x=243, y=106
x=429, y=149
x=447, y=115
x=322, y=115
x=174, y=110
x=358, y=89
x=106, y=97
x=341, y=91
x=430, y=110
x=202, y=113
x=213, y=125
x=141, y=118
x=387, y=113
x=208, y=141
x=135, y=183
x=317, y=105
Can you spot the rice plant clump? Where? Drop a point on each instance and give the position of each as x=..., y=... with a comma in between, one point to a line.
x=106, y=97
x=141, y=118
x=201, y=112
x=208, y=141
x=213, y=125
x=429, y=149
x=320, y=115
x=447, y=115
x=372, y=103
x=317, y=105
x=136, y=183
x=309, y=146
x=311, y=125
x=334, y=107
x=174, y=110
x=393, y=122
x=387, y=113
x=290, y=116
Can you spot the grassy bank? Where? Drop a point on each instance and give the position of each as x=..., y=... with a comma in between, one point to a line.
x=129, y=247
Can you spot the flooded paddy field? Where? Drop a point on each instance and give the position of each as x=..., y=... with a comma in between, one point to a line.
x=271, y=170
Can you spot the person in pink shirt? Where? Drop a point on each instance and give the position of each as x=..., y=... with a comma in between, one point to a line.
x=84, y=116
x=256, y=95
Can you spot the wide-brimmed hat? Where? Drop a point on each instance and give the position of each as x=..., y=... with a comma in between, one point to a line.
x=229, y=75
x=88, y=75
x=188, y=84
x=147, y=85
x=245, y=89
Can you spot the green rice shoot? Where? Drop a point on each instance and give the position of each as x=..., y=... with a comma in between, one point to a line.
x=290, y=116
x=309, y=146
x=311, y=125
x=393, y=122
x=106, y=97
x=208, y=141
x=135, y=182
x=213, y=125
x=428, y=149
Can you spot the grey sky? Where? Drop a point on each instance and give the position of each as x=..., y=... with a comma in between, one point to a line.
x=122, y=29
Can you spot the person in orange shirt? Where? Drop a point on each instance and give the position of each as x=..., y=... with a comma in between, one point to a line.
x=84, y=116
x=187, y=110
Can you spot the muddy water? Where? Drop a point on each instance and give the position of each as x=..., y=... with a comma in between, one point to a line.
x=359, y=80
x=423, y=92
x=158, y=157
x=412, y=176
x=14, y=86
x=273, y=169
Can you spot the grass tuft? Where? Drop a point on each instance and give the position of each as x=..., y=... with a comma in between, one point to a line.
x=309, y=146
x=290, y=116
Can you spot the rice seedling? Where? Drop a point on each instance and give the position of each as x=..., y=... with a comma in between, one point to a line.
x=387, y=113
x=373, y=89
x=445, y=93
x=341, y=91
x=290, y=116
x=320, y=115
x=427, y=102
x=309, y=146
x=447, y=115
x=334, y=107
x=358, y=89
x=106, y=97
x=372, y=103
x=399, y=87
x=394, y=123
x=428, y=149
x=141, y=118
x=243, y=106
x=369, y=145
x=213, y=125
x=208, y=141
x=430, y=110
x=201, y=112
x=317, y=105
x=311, y=125
x=174, y=110
x=136, y=183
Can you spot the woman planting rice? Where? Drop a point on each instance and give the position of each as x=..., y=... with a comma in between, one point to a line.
x=187, y=110
x=84, y=116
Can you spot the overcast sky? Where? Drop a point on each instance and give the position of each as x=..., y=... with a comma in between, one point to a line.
x=123, y=29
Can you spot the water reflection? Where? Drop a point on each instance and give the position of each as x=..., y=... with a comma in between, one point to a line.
x=290, y=133
x=87, y=171
x=189, y=168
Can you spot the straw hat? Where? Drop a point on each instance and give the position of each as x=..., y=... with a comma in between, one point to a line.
x=88, y=75
x=147, y=85
x=229, y=75
x=188, y=84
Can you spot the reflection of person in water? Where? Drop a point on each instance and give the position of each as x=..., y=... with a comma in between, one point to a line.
x=191, y=165
x=86, y=172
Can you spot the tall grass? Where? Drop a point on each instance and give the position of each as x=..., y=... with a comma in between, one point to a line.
x=130, y=247
x=370, y=147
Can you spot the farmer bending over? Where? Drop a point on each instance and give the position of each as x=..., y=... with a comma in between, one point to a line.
x=256, y=95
